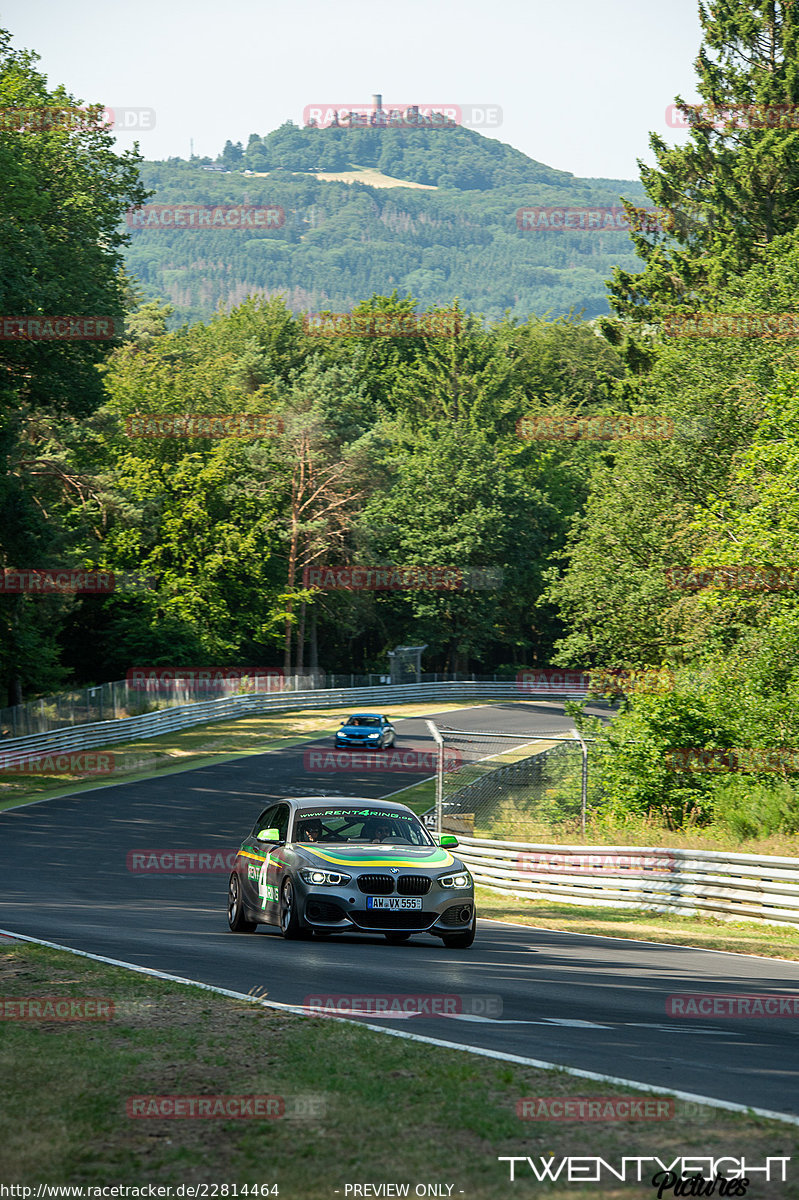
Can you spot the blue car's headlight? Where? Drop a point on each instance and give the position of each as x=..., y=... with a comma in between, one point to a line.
x=371, y=735
x=460, y=879
x=323, y=878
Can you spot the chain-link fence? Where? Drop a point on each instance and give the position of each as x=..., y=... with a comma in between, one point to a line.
x=120, y=699
x=127, y=698
x=509, y=785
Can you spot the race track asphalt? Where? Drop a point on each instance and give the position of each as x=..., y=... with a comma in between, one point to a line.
x=598, y=1004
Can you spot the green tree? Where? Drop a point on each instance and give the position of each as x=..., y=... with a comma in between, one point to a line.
x=64, y=197
x=734, y=186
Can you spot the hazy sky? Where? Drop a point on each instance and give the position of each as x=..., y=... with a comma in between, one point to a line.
x=581, y=83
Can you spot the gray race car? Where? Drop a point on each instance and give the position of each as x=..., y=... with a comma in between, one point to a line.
x=323, y=865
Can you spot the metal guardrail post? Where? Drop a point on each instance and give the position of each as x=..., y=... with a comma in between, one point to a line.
x=583, y=780
x=437, y=738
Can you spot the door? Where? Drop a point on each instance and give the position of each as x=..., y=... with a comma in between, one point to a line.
x=272, y=870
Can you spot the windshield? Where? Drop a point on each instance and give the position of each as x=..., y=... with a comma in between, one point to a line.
x=364, y=721
x=368, y=825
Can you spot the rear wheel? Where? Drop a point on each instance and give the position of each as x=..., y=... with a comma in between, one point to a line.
x=396, y=938
x=236, y=917
x=292, y=925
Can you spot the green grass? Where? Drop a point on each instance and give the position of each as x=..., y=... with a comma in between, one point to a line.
x=706, y=933
x=386, y=1110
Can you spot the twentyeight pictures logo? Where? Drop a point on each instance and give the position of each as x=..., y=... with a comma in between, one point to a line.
x=649, y=1168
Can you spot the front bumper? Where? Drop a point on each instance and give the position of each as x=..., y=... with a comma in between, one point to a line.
x=360, y=743
x=443, y=911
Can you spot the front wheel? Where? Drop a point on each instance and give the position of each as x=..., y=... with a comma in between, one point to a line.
x=236, y=917
x=292, y=925
x=461, y=941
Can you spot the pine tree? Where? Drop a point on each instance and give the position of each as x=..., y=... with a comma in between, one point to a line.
x=734, y=186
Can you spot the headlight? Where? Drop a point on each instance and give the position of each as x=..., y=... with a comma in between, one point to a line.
x=371, y=735
x=323, y=878
x=461, y=880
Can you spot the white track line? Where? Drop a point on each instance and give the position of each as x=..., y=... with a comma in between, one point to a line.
x=709, y=1101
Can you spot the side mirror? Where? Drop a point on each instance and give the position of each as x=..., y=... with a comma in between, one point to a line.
x=268, y=835
x=448, y=841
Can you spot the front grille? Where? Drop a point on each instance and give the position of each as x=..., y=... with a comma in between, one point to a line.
x=323, y=910
x=383, y=919
x=456, y=914
x=413, y=885
x=376, y=885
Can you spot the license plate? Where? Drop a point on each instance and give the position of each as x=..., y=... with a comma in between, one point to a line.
x=394, y=902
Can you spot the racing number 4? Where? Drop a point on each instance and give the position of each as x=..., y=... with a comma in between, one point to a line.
x=264, y=891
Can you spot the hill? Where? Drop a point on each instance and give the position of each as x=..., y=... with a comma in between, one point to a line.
x=438, y=219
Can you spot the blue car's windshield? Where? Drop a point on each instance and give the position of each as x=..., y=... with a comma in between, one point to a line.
x=368, y=721
x=364, y=826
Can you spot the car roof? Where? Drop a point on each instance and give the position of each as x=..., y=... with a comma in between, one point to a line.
x=365, y=714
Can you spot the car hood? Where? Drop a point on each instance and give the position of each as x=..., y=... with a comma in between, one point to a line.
x=377, y=857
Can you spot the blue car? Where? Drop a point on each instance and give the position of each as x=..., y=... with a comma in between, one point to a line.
x=366, y=731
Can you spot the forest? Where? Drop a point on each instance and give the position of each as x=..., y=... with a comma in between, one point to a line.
x=462, y=452
x=341, y=242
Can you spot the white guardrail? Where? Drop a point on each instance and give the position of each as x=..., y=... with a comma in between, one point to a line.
x=149, y=725
x=742, y=887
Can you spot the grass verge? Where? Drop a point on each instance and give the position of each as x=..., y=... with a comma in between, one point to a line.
x=361, y=1107
x=704, y=933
